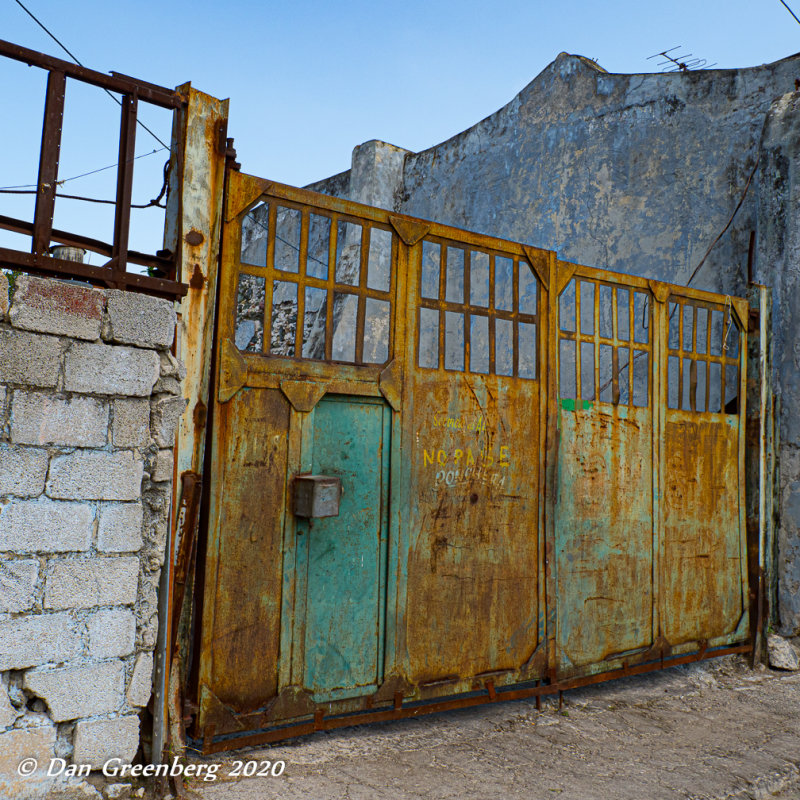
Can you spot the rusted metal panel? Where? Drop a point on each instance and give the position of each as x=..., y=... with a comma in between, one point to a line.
x=604, y=534
x=525, y=464
x=702, y=538
x=472, y=520
x=241, y=619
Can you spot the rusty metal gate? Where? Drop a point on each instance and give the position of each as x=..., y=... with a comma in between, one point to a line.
x=542, y=471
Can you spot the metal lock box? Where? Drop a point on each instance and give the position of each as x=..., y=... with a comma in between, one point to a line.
x=317, y=496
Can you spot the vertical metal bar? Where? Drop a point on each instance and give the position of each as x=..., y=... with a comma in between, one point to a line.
x=302, y=260
x=467, y=317
x=492, y=317
x=578, y=388
x=332, y=246
x=48, y=162
x=597, y=342
x=269, y=286
x=708, y=361
x=659, y=398
x=122, y=212
x=615, y=348
x=361, y=309
x=693, y=368
x=631, y=337
x=515, y=324
x=679, y=307
x=442, y=296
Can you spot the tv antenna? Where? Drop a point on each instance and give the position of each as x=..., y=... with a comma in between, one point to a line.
x=673, y=62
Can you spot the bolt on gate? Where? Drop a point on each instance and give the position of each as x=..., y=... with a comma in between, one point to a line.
x=448, y=469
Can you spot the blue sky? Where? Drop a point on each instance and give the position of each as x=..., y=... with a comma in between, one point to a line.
x=309, y=80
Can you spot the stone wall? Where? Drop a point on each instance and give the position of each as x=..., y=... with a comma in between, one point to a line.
x=89, y=403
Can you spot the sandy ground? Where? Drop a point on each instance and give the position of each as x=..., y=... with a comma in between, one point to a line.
x=717, y=730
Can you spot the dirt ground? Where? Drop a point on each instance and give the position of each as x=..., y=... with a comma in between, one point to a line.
x=716, y=730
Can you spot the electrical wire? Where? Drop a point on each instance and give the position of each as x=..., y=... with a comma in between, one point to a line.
x=75, y=59
x=9, y=189
x=790, y=11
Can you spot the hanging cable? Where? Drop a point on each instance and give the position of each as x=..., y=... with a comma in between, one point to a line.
x=75, y=59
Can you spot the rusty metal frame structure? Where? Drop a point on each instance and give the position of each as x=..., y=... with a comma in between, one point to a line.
x=114, y=272
x=303, y=381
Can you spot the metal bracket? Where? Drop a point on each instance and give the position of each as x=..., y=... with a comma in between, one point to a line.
x=661, y=291
x=303, y=395
x=391, y=384
x=232, y=371
x=538, y=259
x=214, y=712
x=248, y=190
x=564, y=273
x=410, y=231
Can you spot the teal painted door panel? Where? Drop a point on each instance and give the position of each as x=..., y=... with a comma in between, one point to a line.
x=347, y=554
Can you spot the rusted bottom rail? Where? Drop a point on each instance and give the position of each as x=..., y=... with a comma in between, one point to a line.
x=491, y=695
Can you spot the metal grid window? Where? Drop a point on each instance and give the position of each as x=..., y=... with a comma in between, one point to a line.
x=478, y=311
x=703, y=368
x=604, y=343
x=330, y=271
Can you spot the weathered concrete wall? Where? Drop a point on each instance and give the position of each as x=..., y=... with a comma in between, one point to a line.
x=634, y=173
x=778, y=265
x=89, y=403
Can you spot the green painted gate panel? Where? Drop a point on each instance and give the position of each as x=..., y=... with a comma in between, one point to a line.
x=347, y=554
x=604, y=534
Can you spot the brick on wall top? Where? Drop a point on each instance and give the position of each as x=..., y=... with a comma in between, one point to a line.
x=64, y=308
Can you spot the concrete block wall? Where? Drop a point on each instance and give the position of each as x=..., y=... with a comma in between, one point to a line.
x=89, y=403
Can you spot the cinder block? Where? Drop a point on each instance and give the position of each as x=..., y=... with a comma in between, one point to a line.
x=162, y=469
x=131, y=425
x=140, y=319
x=45, y=526
x=91, y=475
x=112, y=632
x=104, y=369
x=164, y=418
x=98, y=740
x=73, y=692
x=120, y=528
x=40, y=418
x=3, y=295
x=17, y=584
x=37, y=742
x=87, y=583
x=141, y=684
x=7, y=712
x=30, y=359
x=171, y=367
x=51, y=306
x=22, y=470
x=37, y=639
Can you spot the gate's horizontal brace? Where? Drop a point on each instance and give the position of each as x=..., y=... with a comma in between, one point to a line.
x=211, y=744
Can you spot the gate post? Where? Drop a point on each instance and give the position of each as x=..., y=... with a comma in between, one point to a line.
x=192, y=232
x=760, y=468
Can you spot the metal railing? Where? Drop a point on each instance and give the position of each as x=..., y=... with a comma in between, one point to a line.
x=114, y=272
